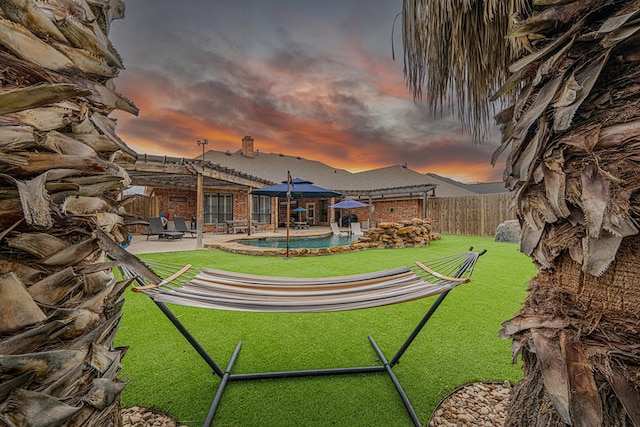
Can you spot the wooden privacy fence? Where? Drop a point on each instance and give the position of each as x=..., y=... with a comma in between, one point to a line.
x=141, y=208
x=470, y=215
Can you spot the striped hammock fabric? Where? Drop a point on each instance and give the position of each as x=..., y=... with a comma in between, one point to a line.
x=226, y=290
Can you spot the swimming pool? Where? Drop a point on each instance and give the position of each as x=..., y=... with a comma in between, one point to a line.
x=298, y=242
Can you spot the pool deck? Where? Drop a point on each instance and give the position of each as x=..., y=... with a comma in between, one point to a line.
x=140, y=244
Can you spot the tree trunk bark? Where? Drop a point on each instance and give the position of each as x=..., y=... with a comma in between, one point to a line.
x=578, y=337
x=61, y=212
x=572, y=134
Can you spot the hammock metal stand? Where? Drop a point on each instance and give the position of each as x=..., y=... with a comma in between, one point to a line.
x=464, y=270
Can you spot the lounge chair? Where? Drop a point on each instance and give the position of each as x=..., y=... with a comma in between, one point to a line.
x=181, y=226
x=156, y=229
x=336, y=230
x=355, y=229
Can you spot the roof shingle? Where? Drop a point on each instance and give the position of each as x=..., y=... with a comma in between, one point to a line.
x=274, y=167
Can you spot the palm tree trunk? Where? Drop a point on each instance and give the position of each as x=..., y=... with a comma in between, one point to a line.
x=60, y=213
x=578, y=337
x=573, y=138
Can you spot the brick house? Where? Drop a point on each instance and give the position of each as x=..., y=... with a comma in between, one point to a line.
x=394, y=193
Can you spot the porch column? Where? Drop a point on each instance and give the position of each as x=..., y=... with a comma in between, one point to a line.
x=424, y=205
x=249, y=210
x=200, y=211
x=332, y=211
x=276, y=212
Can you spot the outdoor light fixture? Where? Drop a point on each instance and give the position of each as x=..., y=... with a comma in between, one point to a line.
x=204, y=142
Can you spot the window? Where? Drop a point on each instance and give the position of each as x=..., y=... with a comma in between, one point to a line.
x=218, y=207
x=324, y=210
x=261, y=209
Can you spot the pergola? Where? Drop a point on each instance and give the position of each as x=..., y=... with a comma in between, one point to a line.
x=191, y=174
x=179, y=172
x=195, y=174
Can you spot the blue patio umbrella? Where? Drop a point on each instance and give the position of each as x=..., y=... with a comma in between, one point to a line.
x=348, y=204
x=298, y=210
x=296, y=188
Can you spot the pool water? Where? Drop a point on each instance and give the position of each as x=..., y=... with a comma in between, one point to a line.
x=299, y=242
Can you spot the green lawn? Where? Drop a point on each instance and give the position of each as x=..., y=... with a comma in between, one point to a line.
x=460, y=343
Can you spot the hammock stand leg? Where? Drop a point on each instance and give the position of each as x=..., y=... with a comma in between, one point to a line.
x=194, y=343
x=430, y=312
x=418, y=328
x=226, y=376
x=223, y=384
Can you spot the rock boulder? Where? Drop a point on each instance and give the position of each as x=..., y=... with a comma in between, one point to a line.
x=508, y=231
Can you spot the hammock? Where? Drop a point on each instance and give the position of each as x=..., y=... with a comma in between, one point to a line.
x=224, y=290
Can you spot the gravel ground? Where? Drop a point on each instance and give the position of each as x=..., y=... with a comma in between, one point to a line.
x=142, y=417
x=476, y=404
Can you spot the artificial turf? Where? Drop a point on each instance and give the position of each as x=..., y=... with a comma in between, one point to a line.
x=460, y=344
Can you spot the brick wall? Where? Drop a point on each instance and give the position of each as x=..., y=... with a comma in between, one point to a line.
x=240, y=204
x=396, y=210
x=385, y=210
x=169, y=204
x=177, y=202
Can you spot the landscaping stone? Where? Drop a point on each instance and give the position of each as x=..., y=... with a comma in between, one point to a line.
x=137, y=416
x=508, y=231
x=476, y=404
x=411, y=233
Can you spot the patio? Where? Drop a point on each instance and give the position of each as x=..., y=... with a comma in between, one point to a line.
x=211, y=240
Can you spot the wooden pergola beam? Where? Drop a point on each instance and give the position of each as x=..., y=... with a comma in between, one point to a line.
x=390, y=191
x=183, y=172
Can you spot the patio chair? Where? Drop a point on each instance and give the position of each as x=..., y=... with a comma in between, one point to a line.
x=355, y=229
x=181, y=226
x=156, y=229
x=336, y=230
x=224, y=290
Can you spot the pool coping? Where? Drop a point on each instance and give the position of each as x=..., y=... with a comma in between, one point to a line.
x=231, y=245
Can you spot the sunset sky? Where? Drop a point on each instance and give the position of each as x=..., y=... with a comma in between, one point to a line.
x=305, y=78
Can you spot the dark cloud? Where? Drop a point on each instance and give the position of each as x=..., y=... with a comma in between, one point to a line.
x=313, y=79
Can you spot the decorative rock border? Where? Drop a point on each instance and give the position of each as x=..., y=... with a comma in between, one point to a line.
x=238, y=248
x=406, y=234
x=137, y=416
x=475, y=404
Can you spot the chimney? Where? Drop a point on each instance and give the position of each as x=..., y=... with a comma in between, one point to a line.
x=247, y=146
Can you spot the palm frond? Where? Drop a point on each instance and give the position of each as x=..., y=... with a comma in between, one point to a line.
x=461, y=46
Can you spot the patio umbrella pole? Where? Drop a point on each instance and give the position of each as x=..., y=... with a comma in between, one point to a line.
x=295, y=188
x=348, y=204
x=288, y=220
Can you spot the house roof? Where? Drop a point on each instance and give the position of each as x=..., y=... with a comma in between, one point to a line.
x=395, y=179
x=488, y=187
x=403, y=176
x=235, y=169
x=478, y=188
x=273, y=167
